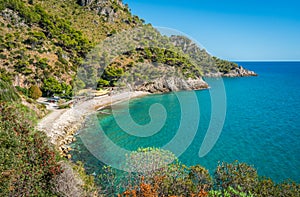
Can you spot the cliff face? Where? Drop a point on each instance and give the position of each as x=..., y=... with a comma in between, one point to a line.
x=172, y=84
x=106, y=8
x=97, y=2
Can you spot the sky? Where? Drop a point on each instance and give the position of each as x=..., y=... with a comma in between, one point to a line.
x=234, y=30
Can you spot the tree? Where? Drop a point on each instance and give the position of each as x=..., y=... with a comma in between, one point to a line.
x=112, y=73
x=102, y=83
x=239, y=176
x=51, y=86
x=34, y=92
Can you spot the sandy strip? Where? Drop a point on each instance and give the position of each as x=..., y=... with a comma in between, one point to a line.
x=60, y=125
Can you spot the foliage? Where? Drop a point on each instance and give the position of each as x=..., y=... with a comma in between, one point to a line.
x=88, y=180
x=102, y=83
x=266, y=187
x=28, y=162
x=224, y=66
x=7, y=92
x=112, y=74
x=34, y=92
x=21, y=90
x=229, y=192
x=237, y=175
x=175, y=179
x=52, y=86
x=203, y=60
x=148, y=160
x=5, y=76
x=155, y=172
x=63, y=106
x=108, y=183
x=73, y=181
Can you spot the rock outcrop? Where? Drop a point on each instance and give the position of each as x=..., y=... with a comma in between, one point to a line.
x=13, y=18
x=102, y=7
x=89, y=2
x=237, y=72
x=172, y=84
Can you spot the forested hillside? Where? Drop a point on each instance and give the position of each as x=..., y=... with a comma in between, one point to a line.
x=44, y=43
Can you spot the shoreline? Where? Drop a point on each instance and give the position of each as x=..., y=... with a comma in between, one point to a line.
x=60, y=125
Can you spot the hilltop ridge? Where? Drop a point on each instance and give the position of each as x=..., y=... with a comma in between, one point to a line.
x=45, y=43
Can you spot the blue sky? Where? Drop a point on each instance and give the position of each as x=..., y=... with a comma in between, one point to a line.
x=231, y=29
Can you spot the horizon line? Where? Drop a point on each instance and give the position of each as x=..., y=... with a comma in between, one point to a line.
x=265, y=60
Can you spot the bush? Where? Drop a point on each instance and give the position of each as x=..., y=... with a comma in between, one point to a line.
x=7, y=92
x=5, y=76
x=155, y=172
x=21, y=90
x=52, y=86
x=102, y=83
x=239, y=176
x=28, y=163
x=150, y=174
x=42, y=63
x=34, y=92
x=74, y=181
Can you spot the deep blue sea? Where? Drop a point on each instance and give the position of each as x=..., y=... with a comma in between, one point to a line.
x=261, y=123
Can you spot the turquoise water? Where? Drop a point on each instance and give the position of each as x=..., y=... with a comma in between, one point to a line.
x=262, y=123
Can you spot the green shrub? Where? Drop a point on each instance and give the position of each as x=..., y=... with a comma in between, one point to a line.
x=28, y=163
x=52, y=86
x=2, y=56
x=34, y=92
x=7, y=92
x=23, y=91
x=239, y=176
x=102, y=83
x=42, y=63
x=5, y=76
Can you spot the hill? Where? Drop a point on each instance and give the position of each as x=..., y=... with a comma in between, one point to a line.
x=46, y=43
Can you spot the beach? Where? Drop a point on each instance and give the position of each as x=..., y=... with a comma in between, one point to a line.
x=61, y=124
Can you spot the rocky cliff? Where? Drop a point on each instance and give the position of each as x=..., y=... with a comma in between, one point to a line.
x=239, y=71
x=172, y=84
x=106, y=8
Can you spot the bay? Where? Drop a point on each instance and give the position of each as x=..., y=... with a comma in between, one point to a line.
x=261, y=124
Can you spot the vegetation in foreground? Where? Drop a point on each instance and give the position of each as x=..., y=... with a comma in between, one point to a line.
x=149, y=174
x=30, y=165
x=28, y=162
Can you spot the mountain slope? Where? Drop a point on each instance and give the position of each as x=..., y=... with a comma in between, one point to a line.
x=211, y=65
x=49, y=43
x=51, y=38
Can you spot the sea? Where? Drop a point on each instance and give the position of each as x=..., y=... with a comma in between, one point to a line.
x=255, y=120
